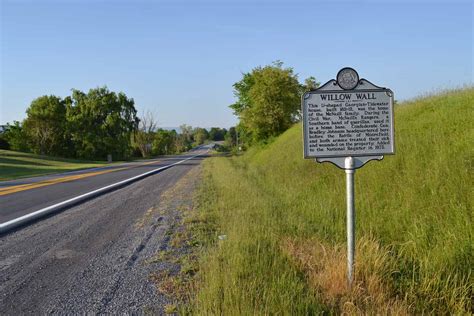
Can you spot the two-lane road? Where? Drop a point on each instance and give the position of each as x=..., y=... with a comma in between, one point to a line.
x=24, y=196
x=93, y=257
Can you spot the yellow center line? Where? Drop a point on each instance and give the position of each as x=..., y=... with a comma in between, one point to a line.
x=29, y=186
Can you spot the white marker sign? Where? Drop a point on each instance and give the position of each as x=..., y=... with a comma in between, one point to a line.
x=342, y=123
x=348, y=122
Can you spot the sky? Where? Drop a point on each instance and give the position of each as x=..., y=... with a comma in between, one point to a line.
x=179, y=59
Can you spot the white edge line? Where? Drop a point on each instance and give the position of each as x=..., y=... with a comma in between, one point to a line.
x=11, y=224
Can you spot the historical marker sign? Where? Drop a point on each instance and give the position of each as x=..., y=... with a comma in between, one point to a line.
x=348, y=122
x=348, y=117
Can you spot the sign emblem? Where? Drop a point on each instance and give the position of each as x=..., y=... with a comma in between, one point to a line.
x=347, y=78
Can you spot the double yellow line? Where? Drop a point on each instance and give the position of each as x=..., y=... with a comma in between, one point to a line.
x=29, y=186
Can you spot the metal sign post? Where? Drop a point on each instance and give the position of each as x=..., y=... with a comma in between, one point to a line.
x=348, y=122
x=350, y=221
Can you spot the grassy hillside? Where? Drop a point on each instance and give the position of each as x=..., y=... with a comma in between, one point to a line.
x=284, y=218
x=15, y=165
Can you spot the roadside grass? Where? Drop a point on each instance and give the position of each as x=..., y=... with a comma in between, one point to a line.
x=284, y=218
x=14, y=165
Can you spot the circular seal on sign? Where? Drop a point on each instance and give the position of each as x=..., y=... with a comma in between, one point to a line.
x=347, y=78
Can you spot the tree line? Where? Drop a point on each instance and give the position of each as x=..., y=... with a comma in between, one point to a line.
x=148, y=140
x=101, y=122
x=96, y=124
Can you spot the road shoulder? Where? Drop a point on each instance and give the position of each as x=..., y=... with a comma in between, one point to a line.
x=174, y=264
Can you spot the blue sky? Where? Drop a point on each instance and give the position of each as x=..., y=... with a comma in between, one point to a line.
x=179, y=59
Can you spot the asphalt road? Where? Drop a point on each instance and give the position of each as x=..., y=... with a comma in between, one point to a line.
x=25, y=201
x=88, y=258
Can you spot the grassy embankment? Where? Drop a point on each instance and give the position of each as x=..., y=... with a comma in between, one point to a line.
x=15, y=165
x=284, y=218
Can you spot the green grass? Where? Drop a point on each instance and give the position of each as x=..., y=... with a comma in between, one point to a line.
x=14, y=165
x=284, y=218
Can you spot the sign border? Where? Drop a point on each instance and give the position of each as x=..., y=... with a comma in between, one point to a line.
x=321, y=90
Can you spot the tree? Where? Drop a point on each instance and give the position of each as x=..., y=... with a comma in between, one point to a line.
x=101, y=123
x=180, y=143
x=45, y=126
x=4, y=142
x=268, y=100
x=164, y=142
x=217, y=133
x=241, y=92
x=200, y=135
x=145, y=134
x=16, y=137
x=310, y=83
x=231, y=137
x=185, y=138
